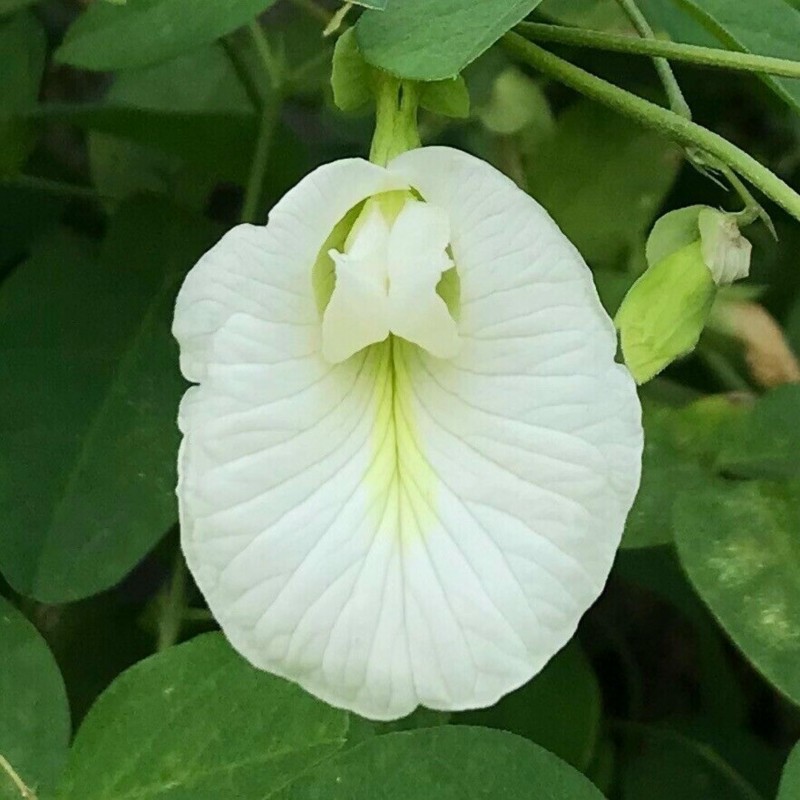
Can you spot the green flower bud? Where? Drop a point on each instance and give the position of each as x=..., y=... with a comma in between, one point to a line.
x=665, y=311
x=690, y=252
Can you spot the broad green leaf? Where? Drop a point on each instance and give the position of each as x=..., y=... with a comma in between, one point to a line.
x=445, y=763
x=739, y=546
x=603, y=179
x=428, y=40
x=598, y=15
x=89, y=389
x=379, y=5
x=790, y=782
x=666, y=471
x=768, y=27
x=210, y=123
x=22, y=54
x=559, y=709
x=110, y=36
x=661, y=762
x=198, y=722
x=34, y=715
x=767, y=442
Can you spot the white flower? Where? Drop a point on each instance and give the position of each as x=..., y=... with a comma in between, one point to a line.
x=423, y=520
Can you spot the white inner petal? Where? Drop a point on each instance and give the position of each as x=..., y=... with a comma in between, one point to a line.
x=386, y=283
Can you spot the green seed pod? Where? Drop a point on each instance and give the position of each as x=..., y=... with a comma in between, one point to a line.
x=665, y=311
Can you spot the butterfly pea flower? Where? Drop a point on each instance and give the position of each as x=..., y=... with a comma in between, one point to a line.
x=691, y=253
x=409, y=453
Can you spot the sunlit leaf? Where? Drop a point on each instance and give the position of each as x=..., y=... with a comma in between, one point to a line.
x=739, y=546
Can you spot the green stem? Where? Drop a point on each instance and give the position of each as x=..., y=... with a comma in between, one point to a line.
x=677, y=102
x=255, y=180
x=654, y=116
x=173, y=604
x=272, y=66
x=25, y=792
x=675, y=51
x=396, y=129
x=270, y=107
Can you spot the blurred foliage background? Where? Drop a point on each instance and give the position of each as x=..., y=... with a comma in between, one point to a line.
x=683, y=680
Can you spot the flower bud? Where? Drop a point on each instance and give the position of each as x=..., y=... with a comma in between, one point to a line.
x=665, y=311
x=690, y=252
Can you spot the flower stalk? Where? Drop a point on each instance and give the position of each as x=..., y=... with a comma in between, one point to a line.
x=396, y=104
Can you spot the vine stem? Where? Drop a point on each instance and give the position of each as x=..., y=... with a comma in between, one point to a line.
x=675, y=51
x=656, y=117
x=25, y=792
x=267, y=123
x=677, y=102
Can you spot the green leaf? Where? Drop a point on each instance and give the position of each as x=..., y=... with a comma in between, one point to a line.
x=428, y=40
x=603, y=180
x=209, y=123
x=597, y=15
x=449, y=97
x=559, y=709
x=738, y=544
x=666, y=471
x=197, y=721
x=767, y=442
x=790, y=782
x=111, y=36
x=350, y=75
x=444, y=763
x=659, y=758
x=22, y=54
x=89, y=388
x=353, y=81
x=34, y=715
x=769, y=28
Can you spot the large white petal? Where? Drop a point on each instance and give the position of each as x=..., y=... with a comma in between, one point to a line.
x=399, y=529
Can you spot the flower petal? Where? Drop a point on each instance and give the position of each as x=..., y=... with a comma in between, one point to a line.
x=397, y=529
x=266, y=271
